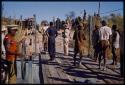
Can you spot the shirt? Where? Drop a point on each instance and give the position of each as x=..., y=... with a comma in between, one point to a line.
x=104, y=33
x=67, y=32
x=116, y=41
x=3, y=48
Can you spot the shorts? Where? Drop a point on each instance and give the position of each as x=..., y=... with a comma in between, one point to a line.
x=116, y=51
x=104, y=47
x=104, y=44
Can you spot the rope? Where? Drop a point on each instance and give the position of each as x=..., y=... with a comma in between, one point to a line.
x=112, y=11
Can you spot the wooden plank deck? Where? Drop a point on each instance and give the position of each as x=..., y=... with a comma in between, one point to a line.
x=62, y=71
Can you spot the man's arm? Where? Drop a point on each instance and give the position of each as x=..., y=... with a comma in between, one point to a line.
x=56, y=33
x=110, y=36
x=84, y=38
x=74, y=36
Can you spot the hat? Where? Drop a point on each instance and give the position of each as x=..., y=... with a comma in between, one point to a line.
x=84, y=22
x=65, y=25
x=81, y=24
x=97, y=24
x=12, y=26
x=4, y=28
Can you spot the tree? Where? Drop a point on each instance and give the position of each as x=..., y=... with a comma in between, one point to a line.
x=71, y=15
x=44, y=22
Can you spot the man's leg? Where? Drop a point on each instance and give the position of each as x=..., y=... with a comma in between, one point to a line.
x=113, y=52
x=81, y=55
x=12, y=75
x=67, y=49
x=100, y=53
x=75, y=57
x=100, y=59
x=50, y=54
x=105, y=56
x=64, y=49
x=117, y=54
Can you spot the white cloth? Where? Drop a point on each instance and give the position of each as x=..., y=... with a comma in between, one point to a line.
x=3, y=48
x=104, y=33
x=69, y=25
x=67, y=32
x=45, y=28
x=66, y=46
x=66, y=41
x=116, y=43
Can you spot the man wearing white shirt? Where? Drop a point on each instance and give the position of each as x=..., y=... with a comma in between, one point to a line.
x=66, y=40
x=105, y=33
x=115, y=44
x=45, y=37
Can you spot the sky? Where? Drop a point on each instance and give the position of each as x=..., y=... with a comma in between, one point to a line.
x=48, y=10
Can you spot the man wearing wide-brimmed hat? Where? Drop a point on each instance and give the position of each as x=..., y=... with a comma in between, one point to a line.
x=11, y=52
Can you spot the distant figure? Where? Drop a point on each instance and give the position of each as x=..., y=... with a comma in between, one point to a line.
x=115, y=44
x=58, y=24
x=95, y=42
x=45, y=37
x=52, y=34
x=66, y=37
x=41, y=31
x=105, y=41
x=79, y=38
x=69, y=23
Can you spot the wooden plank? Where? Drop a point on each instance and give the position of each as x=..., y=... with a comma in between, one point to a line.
x=69, y=77
x=44, y=71
x=102, y=73
x=54, y=75
x=36, y=79
x=62, y=75
x=47, y=72
x=59, y=74
x=50, y=81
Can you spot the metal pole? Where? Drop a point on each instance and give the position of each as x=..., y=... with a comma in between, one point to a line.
x=21, y=22
x=54, y=21
x=90, y=33
x=23, y=66
x=35, y=31
x=10, y=20
x=89, y=36
x=30, y=62
x=99, y=9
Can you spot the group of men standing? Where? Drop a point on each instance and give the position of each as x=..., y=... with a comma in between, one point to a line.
x=103, y=38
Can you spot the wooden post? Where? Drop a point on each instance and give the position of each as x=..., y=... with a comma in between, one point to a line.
x=89, y=36
x=23, y=63
x=35, y=31
x=99, y=9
